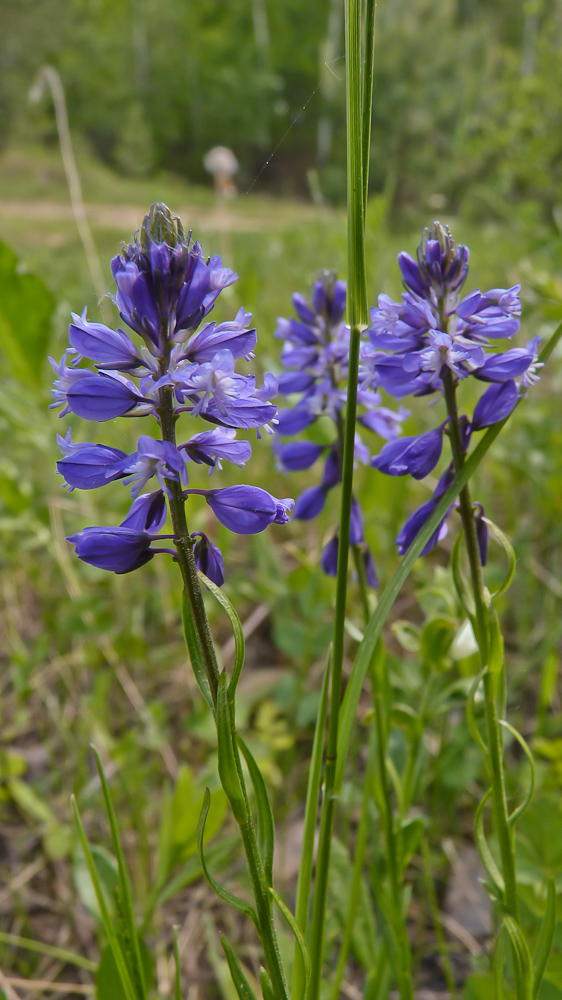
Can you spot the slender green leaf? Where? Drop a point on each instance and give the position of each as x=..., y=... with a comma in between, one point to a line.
x=124, y=887
x=495, y=645
x=522, y=962
x=108, y=980
x=228, y=770
x=108, y=924
x=299, y=937
x=510, y=554
x=243, y=988
x=517, y=813
x=239, y=641
x=266, y=825
x=266, y=987
x=498, y=963
x=194, y=650
x=225, y=895
x=177, y=965
x=61, y=954
x=546, y=936
x=486, y=857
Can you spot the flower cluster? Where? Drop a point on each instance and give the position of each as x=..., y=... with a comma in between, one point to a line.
x=315, y=355
x=166, y=288
x=429, y=342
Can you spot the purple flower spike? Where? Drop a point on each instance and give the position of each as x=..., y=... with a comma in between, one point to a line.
x=414, y=456
x=496, y=404
x=147, y=513
x=110, y=349
x=120, y=550
x=87, y=466
x=103, y=397
x=208, y=558
x=246, y=510
x=291, y=422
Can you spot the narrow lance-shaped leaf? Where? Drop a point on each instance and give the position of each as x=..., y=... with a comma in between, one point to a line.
x=108, y=924
x=194, y=650
x=224, y=894
x=241, y=984
x=239, y=642
x=546, y=937
x=266, y=825
x=124, y=887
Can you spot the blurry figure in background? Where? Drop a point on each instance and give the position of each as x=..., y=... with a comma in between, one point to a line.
x=222, y=164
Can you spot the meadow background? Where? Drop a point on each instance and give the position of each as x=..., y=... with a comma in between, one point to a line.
x=467, y=127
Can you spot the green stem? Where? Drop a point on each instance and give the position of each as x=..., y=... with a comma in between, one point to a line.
x=495, y=743
x=186, y=561
x=399, y=930
x=357, y=316
x=355, y=890
x=437, y=925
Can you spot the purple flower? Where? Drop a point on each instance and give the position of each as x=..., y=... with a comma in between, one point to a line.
x=110, y=349
x=416, y=521
x=517, y=361
x=147, y=513
x=298, y=455
x=246, y=510
x=87, y=466
x=153, y=458
x=210, y=447
x=67, y=379
x=208, y=558
x=234, y=336
x=414, y=456
x=120, y=550
x=496, y=404
x=105, y=396
x=310, y=503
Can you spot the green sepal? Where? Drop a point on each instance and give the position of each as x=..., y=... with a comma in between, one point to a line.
x=228, y=770
x=109, y=926
x=506, y=545
x=546, y=936
x=241, y=984
x=299, y=937
x=194, y=650
x=522, y=962
x=517, y=813
x=125, y=896
x=224, y=894
x=266, y=987
x=486, y=857
x=239, y=641
x=266, y=825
